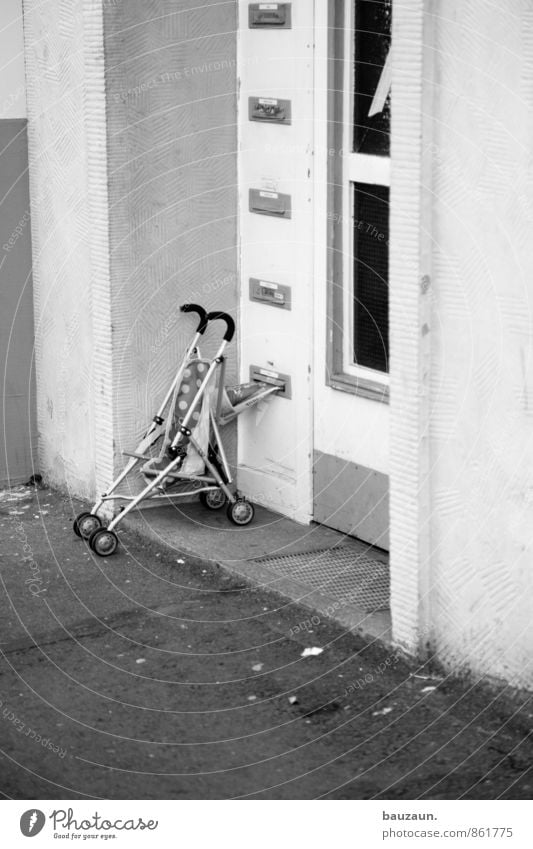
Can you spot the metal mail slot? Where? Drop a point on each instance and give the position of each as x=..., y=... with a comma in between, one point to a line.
x=270, y=293
x=273, y=378
x=264, y=202
x=269, y=110
x=269, y=16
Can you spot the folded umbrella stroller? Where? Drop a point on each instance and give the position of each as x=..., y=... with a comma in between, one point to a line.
x=182, y=448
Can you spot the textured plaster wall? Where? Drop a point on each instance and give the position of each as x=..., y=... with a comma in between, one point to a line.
x=172, y=141
x=66, y=124
x=133, y=212
x=409, y=225
x=481, y=432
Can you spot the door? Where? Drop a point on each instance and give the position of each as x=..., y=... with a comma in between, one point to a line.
x=351, y=384
x=17, y=431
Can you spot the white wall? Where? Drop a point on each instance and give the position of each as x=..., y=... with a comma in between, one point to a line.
x=481, y=437
x=12, y=89
x=68, y=188
x=410, y=250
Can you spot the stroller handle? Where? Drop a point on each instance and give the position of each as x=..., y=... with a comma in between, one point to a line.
x=230, y=324
x=204, y=318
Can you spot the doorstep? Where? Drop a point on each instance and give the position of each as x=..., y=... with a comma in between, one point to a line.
x=332, y=574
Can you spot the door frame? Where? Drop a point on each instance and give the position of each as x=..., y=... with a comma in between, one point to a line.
x=356, y=477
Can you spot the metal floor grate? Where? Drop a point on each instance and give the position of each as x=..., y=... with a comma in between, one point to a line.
x=341, y=573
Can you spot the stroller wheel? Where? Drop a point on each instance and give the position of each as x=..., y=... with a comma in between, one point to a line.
x=103, y=542
x=85, y=524
x=240, y=512
x=213, y=499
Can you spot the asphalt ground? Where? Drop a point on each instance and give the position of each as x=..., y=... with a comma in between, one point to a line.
x=155, y=675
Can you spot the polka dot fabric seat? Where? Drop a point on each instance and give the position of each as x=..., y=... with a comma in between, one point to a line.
x=190, y=384
x=193, y=377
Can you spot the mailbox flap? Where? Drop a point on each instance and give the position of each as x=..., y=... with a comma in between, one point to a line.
x=269, y=110
x=269, y=16
x=264, y=202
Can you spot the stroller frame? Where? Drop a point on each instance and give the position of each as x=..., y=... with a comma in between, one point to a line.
x=214, y=486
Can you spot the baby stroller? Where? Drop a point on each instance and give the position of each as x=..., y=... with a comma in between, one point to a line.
x=184, y=455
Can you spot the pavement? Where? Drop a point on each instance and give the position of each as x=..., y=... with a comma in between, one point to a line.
x=328, y=572
x=162, y=674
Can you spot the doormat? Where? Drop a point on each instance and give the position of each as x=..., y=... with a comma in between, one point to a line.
x=342, y=573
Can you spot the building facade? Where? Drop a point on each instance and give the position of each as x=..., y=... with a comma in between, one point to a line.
x=354, y=182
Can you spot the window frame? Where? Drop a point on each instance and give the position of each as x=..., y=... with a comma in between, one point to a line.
x=345, y=168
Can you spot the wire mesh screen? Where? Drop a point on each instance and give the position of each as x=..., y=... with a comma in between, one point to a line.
x=340, y=573
x=371, y=272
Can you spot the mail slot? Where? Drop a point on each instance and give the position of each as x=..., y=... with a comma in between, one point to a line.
x=273, y=378
x=264, y=202
x=273, y=294
x=269, y=110
x=269, y=16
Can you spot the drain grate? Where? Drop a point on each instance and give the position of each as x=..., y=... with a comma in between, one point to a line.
x=346, y=575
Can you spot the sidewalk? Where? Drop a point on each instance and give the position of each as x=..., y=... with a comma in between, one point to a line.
x=332, y=574
x=159, y=674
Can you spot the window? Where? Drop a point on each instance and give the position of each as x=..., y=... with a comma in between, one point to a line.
x=370, y=277
x=360, y=46
x=371, y=100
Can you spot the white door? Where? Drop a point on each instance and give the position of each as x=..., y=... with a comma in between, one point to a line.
x=350, y=482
